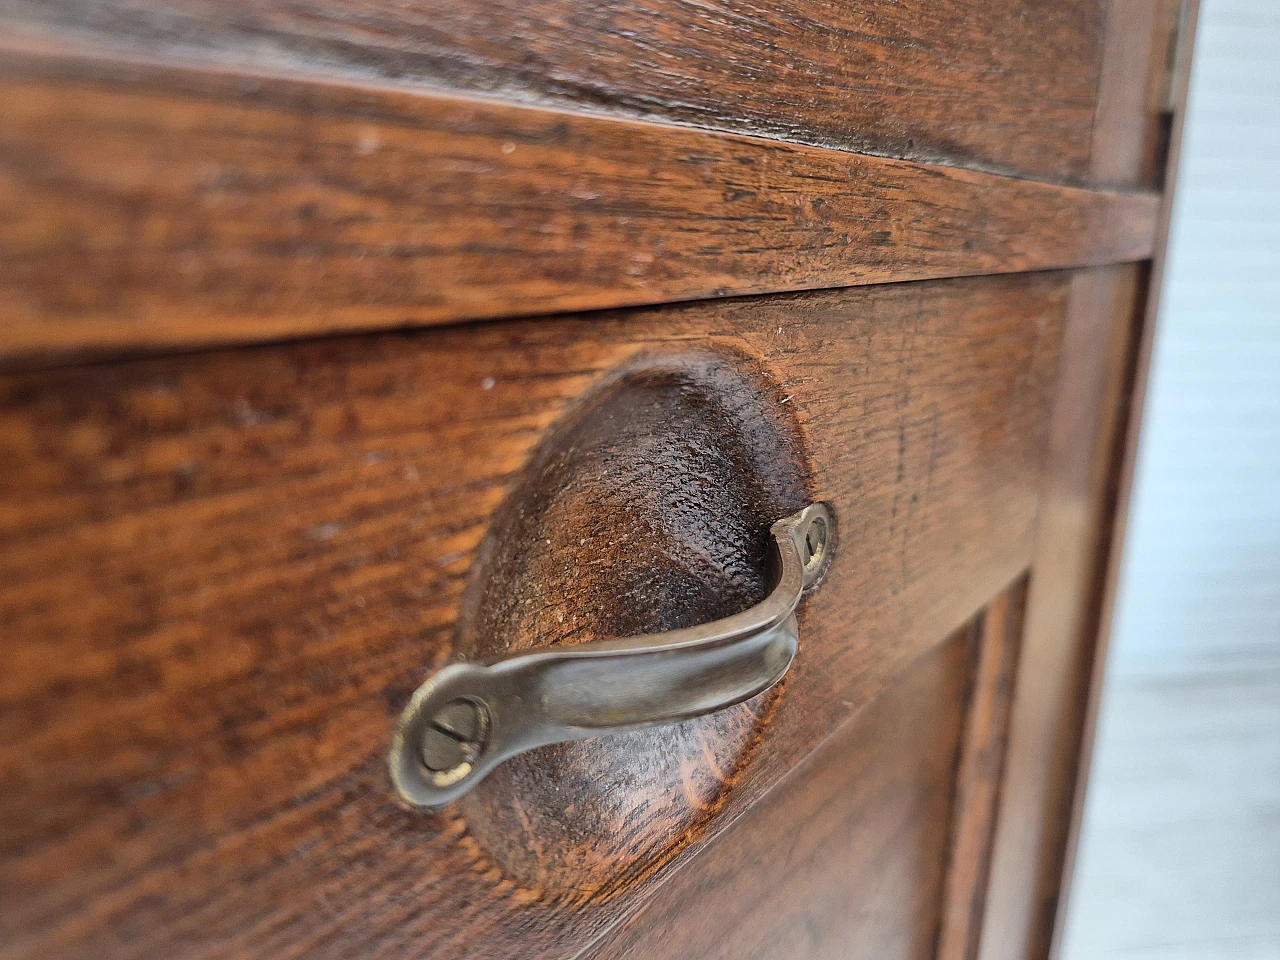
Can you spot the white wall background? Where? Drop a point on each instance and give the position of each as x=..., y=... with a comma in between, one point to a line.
x=1180, y=852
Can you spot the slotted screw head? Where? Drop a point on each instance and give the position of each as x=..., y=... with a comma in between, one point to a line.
x=454, y=736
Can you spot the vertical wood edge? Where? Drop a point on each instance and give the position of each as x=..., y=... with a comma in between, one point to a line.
x=1127, y=137
x=1126, y=463
x=1063, y=593
x=1104, y=359
x=997, y=638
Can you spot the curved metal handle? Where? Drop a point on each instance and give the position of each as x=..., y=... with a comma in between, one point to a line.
x=469, y=717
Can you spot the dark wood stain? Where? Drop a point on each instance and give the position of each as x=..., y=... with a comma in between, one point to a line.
x=222, y=575
x=1029, y=847
x=844, y=858
x=647, y=510
x=1007, y=87
x=1110, y=312
x=143, y=207
x=996, y=643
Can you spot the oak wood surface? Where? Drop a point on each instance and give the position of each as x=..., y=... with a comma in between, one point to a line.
x=222, y=575
x=144, y=207
x=1130, y=139
x=1007, y=87
x=1185, y=17
x=997, y=640
x=1062, y=619
x=873, y=846
x=643, y=509
x=845, y=858
x=1110, y=315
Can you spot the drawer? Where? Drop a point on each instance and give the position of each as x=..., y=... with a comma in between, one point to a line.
x=346, y=349
x=225, y=574
x=976, y=84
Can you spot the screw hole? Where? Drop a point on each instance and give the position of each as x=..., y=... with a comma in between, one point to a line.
x=815, y=543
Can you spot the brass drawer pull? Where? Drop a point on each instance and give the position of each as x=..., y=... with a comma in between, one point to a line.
x=467, y=718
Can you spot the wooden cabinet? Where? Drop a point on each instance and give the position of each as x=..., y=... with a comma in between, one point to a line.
x=344, y=341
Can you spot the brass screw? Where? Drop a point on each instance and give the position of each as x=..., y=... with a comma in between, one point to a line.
x=815, y=543
x=454, y=737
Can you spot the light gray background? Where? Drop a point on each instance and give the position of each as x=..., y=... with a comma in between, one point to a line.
x=1180, y=855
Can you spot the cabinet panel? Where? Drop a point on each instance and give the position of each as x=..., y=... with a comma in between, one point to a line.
x=874, y=846
x=223, y=574
x=150, y=208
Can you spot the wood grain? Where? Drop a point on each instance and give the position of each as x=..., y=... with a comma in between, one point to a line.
x=1007, y=87
x=149, y=208
x=997, y=639
x=1062, y=613
x=1102, y=360
x=1123, y=467
x=844, y=858
x=1051, y=719
x=221, y=576
x=646, y=508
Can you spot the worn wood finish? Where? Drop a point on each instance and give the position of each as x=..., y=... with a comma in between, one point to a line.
x=681, y=466
x=145, y=208
x=1062, y=613
x=845, y=858
x=1124, y=464
x=998, y=637
x=1001, y=86
x=223, y=574
x=1108, y=318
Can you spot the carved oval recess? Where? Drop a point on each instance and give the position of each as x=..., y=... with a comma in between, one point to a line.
x=646, y=509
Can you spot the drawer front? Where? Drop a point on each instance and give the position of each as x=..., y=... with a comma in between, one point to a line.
x=224, y=574
x=266, y=473
x=988, y=85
